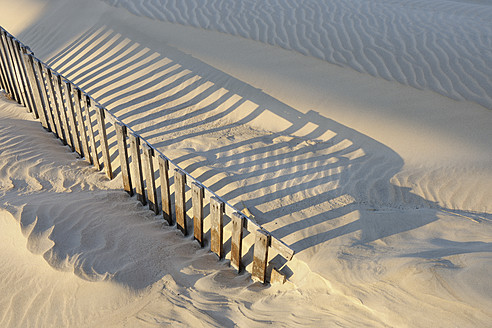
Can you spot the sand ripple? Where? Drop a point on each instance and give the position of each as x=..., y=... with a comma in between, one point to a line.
x=444, y=46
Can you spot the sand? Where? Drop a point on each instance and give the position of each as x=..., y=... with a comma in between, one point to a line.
x=358, y=135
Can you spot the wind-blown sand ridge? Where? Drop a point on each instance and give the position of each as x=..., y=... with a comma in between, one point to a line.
x=383, y=190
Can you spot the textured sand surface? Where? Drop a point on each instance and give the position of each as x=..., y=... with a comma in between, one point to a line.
x=439, y=45
x=383, y=190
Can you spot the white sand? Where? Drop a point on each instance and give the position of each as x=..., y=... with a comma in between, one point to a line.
x=383, y=190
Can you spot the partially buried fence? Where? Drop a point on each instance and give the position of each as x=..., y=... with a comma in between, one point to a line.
x=79, y=121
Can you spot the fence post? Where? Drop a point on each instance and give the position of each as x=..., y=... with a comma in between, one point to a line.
x=180, y=202
x=8, y=65
x=22, y=68
x=6, y=69
x=54, y=105
x=61, y=106
x=216, y=230
x=197, y=201
x=123, y=155
x=103, y=140
x=17, y=71
x=137, y=168
x=92, y=138
x=36, y=90
x=165, y=194
x=260, y=256
x=83, y=132
x=148, y=153
x=237, y=240
x=3, y=71
x=71, y=117
x=38, y=68
x=30, y=83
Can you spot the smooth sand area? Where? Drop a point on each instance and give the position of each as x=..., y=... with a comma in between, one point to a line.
x=358, y=132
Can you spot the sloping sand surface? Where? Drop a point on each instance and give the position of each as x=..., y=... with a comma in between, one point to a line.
x=382, y=190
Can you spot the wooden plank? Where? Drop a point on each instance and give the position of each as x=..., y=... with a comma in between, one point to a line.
x=90, y=129
x=36, y=90
x=3, y=73
x=217, y=229
x=22, y=68
x=237, y=241
x=277, y=277
x=18, y=72
x=123, y=155
x=179, y=199
x=260, y=256
x=15, y=71
x=71, y=117
x=165, y=193
x=77, y=95
x=103, y=140
x=54, y=104
x=197, y=203
x=282, y=248
x=38, y=67
x=3, y=76
x=29, y=83
x=6, y=68
x=148, y=163
x=57, y=85
x=109, y=117
x=137, y=168
x=10, y=69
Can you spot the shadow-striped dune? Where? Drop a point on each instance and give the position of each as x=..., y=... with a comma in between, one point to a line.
x=441, y=45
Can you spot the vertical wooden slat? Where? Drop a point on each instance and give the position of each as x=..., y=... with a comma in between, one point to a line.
x=237, y=240
x=36, y=90
x=18, y=74
x=3, y=72
x=13, y=74
x=3, y=80
x=197, y=203
x=137, y=176
x=57, y=86
x=4, y=68
x=14, y=68
x=9, y=68
x=277, y=277
x=38, y=67
x=260, y=256
x=54, y=104
x=103, y=140
x=31, y=90
x=77, y=97
x=71, y=117
x=217, y=232
x=88, y=105
x=22, y=68
x=148, y=162
x=165, y=193
x=123, y=155
x=179, y=199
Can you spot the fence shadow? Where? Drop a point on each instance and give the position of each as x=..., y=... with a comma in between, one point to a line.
x=294, y=180
x=307, y=181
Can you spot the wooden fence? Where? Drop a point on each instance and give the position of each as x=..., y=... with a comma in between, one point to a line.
x=80, y=122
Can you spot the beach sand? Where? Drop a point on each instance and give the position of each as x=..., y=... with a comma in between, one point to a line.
x=356, y=132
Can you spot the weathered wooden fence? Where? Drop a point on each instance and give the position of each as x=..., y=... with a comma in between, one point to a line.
x=80, y=122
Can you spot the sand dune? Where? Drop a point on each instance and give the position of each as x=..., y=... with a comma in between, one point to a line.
x=78, y=252
x=438, y=45
x=383, y=190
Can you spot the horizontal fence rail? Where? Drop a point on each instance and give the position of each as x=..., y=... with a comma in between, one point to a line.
x=81, y=123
